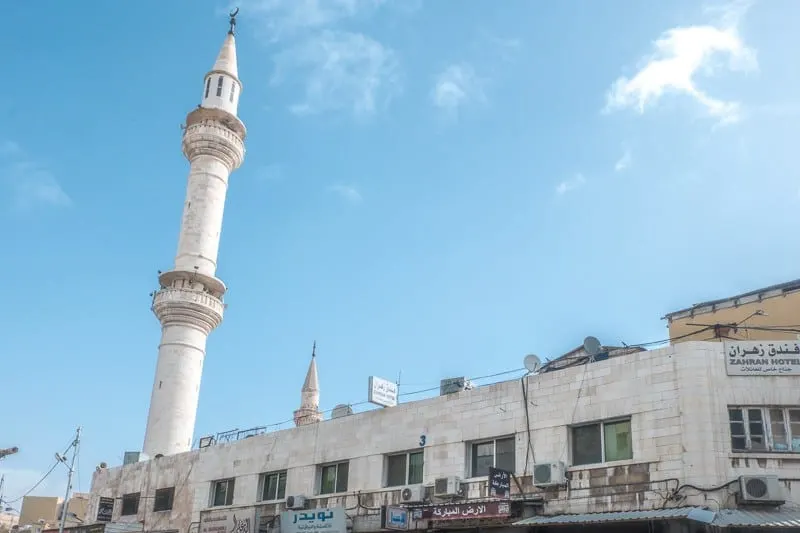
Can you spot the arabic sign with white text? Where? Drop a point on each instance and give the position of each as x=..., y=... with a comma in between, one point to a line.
x=332, y=520
x=382, y=392
x=762, y=358
x=105, y=509
x=240, y=520
x=466, y=511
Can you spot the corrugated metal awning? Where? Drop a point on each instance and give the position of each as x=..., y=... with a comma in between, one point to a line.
x=598, y=518
x=746, y=518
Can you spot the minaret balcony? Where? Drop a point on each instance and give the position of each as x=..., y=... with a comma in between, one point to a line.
x=186, y=306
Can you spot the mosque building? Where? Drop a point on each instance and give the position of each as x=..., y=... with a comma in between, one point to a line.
x=693, y=436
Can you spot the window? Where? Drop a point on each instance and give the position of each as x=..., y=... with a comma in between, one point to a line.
x=233, y=90
x=273, y=486
x=333, y=478
x=222, y=492
x=130, y=504
x=163, y=499
x=219, y=86
x=208, y=86
x=765, y=429
x=497, y=453
x=404, y=469
x=602, y=442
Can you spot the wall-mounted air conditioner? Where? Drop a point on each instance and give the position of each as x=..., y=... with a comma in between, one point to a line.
x=412, y=494
x=295, y=502
x=761, y=489
x=448, y=487
x=549, y=474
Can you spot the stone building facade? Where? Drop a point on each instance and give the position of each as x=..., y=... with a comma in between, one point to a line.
x=652, y=430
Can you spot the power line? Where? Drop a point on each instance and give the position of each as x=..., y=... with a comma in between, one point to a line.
x=45, y=476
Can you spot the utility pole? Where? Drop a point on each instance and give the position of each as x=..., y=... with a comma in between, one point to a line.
x=75, y=445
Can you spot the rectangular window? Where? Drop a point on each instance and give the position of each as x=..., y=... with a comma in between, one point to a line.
x=404, y=469
x=273, y=486
x=333, y=478
x=233, y=90
x=764, y=429
x=163, y=499
x=208, y=87
x=602, y=442
x=222, y=492
x=130, y=504
x=497, y=453
x=219, y=86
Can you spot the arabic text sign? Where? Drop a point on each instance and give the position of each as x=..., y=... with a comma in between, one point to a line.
x=466, y=511
x=228, y=521
x=382, y=392
x=499, y=481
x=331, y=520
x=105, y=509
x=762, y=358
x=394, y=518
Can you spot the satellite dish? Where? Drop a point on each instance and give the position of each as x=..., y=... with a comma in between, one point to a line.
x=591, y=346
x=532, y=363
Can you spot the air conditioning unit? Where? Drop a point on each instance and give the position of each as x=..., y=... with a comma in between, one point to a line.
x=761, y=489
x=412, y=494
x=549, y=474
x=448, y=487
x=295, y=502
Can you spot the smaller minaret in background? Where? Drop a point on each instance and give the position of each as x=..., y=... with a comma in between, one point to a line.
x=309, y=397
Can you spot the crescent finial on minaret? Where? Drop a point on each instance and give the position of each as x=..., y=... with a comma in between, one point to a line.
x=232, y=16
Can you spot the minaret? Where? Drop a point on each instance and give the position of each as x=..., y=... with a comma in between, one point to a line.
x=309, y=396
x=189, y=301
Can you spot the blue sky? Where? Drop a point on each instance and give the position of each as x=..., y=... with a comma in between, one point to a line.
x=436, y=188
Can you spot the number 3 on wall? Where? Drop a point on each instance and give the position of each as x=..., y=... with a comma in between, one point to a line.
x=422, y=440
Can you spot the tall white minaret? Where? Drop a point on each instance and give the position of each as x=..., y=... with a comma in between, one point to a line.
x=309, y=395
x=189, y=302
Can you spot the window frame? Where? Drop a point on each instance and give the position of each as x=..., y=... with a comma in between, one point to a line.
x=473, y=455
x=264, y=483
x=220, y=84
x=337, y=465
x=602, y=425
x=229, y=491
x=407, y=473
x=233, y=91
x=208, y=86
x=131, y=496
x=767, y=425
x=170, y=499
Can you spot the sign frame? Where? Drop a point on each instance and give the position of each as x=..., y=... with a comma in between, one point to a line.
x=395, y=518
x=761, y=358
x=382, y=392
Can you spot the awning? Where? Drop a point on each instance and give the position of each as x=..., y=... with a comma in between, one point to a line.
x=746, y=518
x=600, y=518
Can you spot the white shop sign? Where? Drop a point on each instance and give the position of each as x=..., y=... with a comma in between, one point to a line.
x=762, y=358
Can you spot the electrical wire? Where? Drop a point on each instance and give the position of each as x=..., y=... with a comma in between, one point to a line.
x=45, y=476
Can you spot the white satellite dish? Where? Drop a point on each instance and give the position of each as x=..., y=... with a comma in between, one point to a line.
x=591, y=346
x=532, y=363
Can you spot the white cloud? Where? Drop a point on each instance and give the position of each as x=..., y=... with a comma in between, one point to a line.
x=347, y=192
x=32, y=184
x=342, y=70
x=456, y=86
x=681, y=54
x=571, y=184
x=284, y=19
x=624, y=162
